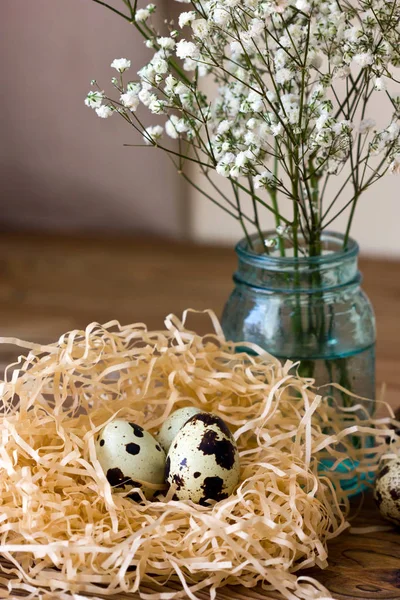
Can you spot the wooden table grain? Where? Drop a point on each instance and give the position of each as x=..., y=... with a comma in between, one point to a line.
x=50, y=284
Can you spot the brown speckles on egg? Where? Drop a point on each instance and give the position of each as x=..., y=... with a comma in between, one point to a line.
x=382, y=472
x=387, y=490
x=395, y=493
x=212, y=488
x=196, y=474
x=179, y=481
x=137, y=430
x=210, y=419
x=378, y=498
x=102, y=442
x=116, y=478
x=223, y=450
x=132, y=448
x=167, y=467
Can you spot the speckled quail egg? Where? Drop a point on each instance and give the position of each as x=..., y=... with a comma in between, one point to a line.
x=387, y=490
x=174, y=424
x=203, y=461
x=126, y=453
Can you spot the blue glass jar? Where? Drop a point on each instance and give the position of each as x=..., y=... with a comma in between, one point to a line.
x=310, y=309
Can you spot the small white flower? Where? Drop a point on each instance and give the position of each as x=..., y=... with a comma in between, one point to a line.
x=152, y=133
x=242, y=158
x=121, y=64
x=283, y=75
x=364, y=59
x=186, y=18
x=94, y=99
x=160, y=66
x=170, y=85
x=303, y=5
x=156, y=106
x=352, y=33
x=257, y=27
x=104, y=111
x=223, y=127
x=142, y=15
x=171, y=127
x=366, y=125
x=146, y=97
x=224, y=166
x=167, y=43
x=276, y=129
x=394, y=166
x=200, y=28
x=130, y=100
x=186, y=49
x=263, y=179
x=380, y=84
x=220, y=16
x=147, y=74
x=321, y=121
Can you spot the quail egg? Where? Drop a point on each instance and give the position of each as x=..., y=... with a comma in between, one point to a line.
x=203, y=461
x=174, y=423
x=126, y=453
x=387, y=490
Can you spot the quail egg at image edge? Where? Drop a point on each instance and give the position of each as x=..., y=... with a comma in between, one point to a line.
x=174, y=423
x=126, y=452
x=203, y=461
x=387, y=490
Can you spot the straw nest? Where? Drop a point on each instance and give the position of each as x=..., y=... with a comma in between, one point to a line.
x=64, y=531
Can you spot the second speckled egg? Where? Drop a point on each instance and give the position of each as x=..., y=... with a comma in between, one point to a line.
x=203, y=461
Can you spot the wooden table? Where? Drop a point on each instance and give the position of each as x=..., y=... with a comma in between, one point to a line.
x=50, y=284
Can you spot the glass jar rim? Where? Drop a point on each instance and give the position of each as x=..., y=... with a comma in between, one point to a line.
x=351, y=251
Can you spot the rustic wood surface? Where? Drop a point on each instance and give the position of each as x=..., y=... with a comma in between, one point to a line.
x=50, y=284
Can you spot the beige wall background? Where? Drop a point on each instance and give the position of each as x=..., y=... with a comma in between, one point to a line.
x=62, y=167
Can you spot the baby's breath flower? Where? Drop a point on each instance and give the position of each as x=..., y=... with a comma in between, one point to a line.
x=274, y=63
x=94, y=99
x=130, y=100
x=121, y=64
x=263, y=180
x=152, y=134
x=186, y=49
x=104, y=111
x=380, y=85
x=364, y=59
x=185, y=18
x=303, y=5
x=141, y=15
x=168, y=43
x=220, y=16
x=223, y=127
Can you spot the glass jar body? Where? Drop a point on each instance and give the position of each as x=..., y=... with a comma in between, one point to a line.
x=308, y=309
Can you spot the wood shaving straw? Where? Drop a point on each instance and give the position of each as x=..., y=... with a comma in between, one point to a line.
x=64, y=530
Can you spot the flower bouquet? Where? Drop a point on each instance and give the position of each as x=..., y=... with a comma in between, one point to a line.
x=270, y=101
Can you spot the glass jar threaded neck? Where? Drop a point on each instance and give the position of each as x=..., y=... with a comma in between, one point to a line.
x=335, y=267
